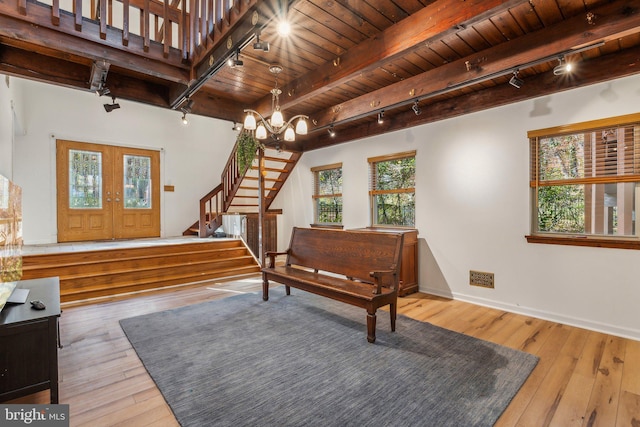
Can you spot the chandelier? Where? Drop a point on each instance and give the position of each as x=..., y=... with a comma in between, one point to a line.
x=276, y=124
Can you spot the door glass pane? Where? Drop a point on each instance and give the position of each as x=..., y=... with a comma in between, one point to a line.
x=137, y=182
x=85, y=179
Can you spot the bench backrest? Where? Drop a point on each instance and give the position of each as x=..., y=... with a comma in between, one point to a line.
x=351, y=253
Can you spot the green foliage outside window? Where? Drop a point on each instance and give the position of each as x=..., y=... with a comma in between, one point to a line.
x=561, y=208
x=393, y=194
x=585, y=178
x=329, y=184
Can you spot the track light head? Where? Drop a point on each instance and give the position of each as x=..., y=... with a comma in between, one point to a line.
x=263, y=46
x=113, y=106
x=381, y=117
x=188, y=106
x=185, y=121
x=516, y=81
x=562, y=68
x=103, y=90
x=331, y=131
x=235, y=62
x=416, y=108
x=284, y=28
x=258, y=45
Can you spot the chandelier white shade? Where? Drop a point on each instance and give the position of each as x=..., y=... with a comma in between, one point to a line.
x=276, y=124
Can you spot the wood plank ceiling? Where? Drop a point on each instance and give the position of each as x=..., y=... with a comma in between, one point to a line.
x=344, y=62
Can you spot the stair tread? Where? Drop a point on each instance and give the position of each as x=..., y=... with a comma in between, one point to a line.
x=217, y=273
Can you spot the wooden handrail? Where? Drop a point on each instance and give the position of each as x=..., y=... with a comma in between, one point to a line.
x=217, y=201
x=232, y=176
x=210, y=205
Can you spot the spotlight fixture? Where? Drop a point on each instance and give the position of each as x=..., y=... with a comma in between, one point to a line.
x=103, y=90
x=113, y=106
x=381, y=117
x=331, y=131
x=187, y=106
x=236, y=127
x=516, y=81
x=235, y=62
x=416, y=108
x=284, y=28
x=258, y=45
x=562, y=68
x=98, y=78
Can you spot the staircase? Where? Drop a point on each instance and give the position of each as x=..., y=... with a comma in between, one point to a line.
x=96, y=274
x=239, y=193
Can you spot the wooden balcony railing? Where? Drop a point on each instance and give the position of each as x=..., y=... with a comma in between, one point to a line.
x=190, y=26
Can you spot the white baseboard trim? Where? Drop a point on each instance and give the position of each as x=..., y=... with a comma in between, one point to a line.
x=605, y=328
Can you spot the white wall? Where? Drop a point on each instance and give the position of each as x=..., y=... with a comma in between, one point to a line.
x=473, y=211
x=192, y=156
x=472, y=194
x=7, y=96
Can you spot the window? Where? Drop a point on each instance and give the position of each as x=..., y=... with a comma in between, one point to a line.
x=327, y=194
x=585, y=181
x=392, y=189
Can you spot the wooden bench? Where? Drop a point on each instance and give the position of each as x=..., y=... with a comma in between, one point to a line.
x=360, y=268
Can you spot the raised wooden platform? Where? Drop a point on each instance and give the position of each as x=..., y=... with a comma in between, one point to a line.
x=120, y=269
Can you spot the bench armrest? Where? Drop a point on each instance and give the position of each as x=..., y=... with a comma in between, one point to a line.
x=380, y=276
x=271, y=256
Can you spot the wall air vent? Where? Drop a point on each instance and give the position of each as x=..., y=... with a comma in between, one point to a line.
x=482, y=279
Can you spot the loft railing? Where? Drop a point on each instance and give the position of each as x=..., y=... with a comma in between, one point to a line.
x=187, y=25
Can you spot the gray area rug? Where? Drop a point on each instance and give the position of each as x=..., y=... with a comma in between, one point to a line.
x=304, y=360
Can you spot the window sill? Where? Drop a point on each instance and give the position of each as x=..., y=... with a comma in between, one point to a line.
x=598, y=242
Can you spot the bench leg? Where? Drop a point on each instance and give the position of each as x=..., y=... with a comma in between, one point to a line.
x=287, y=288
x=371, y=326
x=392, y=312
x=265, y=289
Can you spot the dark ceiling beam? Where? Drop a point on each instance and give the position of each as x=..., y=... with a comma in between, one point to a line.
x=612, y=20
x=433, y=22
x=216, y=107
x=597, y=70
x=134, y=89
x=36, y=32
x=20, y=63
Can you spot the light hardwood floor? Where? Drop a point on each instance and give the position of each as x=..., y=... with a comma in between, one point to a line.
x=583, y=378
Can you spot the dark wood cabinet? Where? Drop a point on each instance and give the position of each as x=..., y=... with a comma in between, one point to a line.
x=29, y=342
x=409, y=263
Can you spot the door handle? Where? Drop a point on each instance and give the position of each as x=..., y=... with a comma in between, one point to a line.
x=117, y=199
x=108, y=199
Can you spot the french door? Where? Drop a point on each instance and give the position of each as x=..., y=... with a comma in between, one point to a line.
x=106, y=192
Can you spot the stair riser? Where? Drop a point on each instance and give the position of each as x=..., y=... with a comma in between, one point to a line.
x=92, y=274
x=151, y=274
x=88, y=294
x=110, y=265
